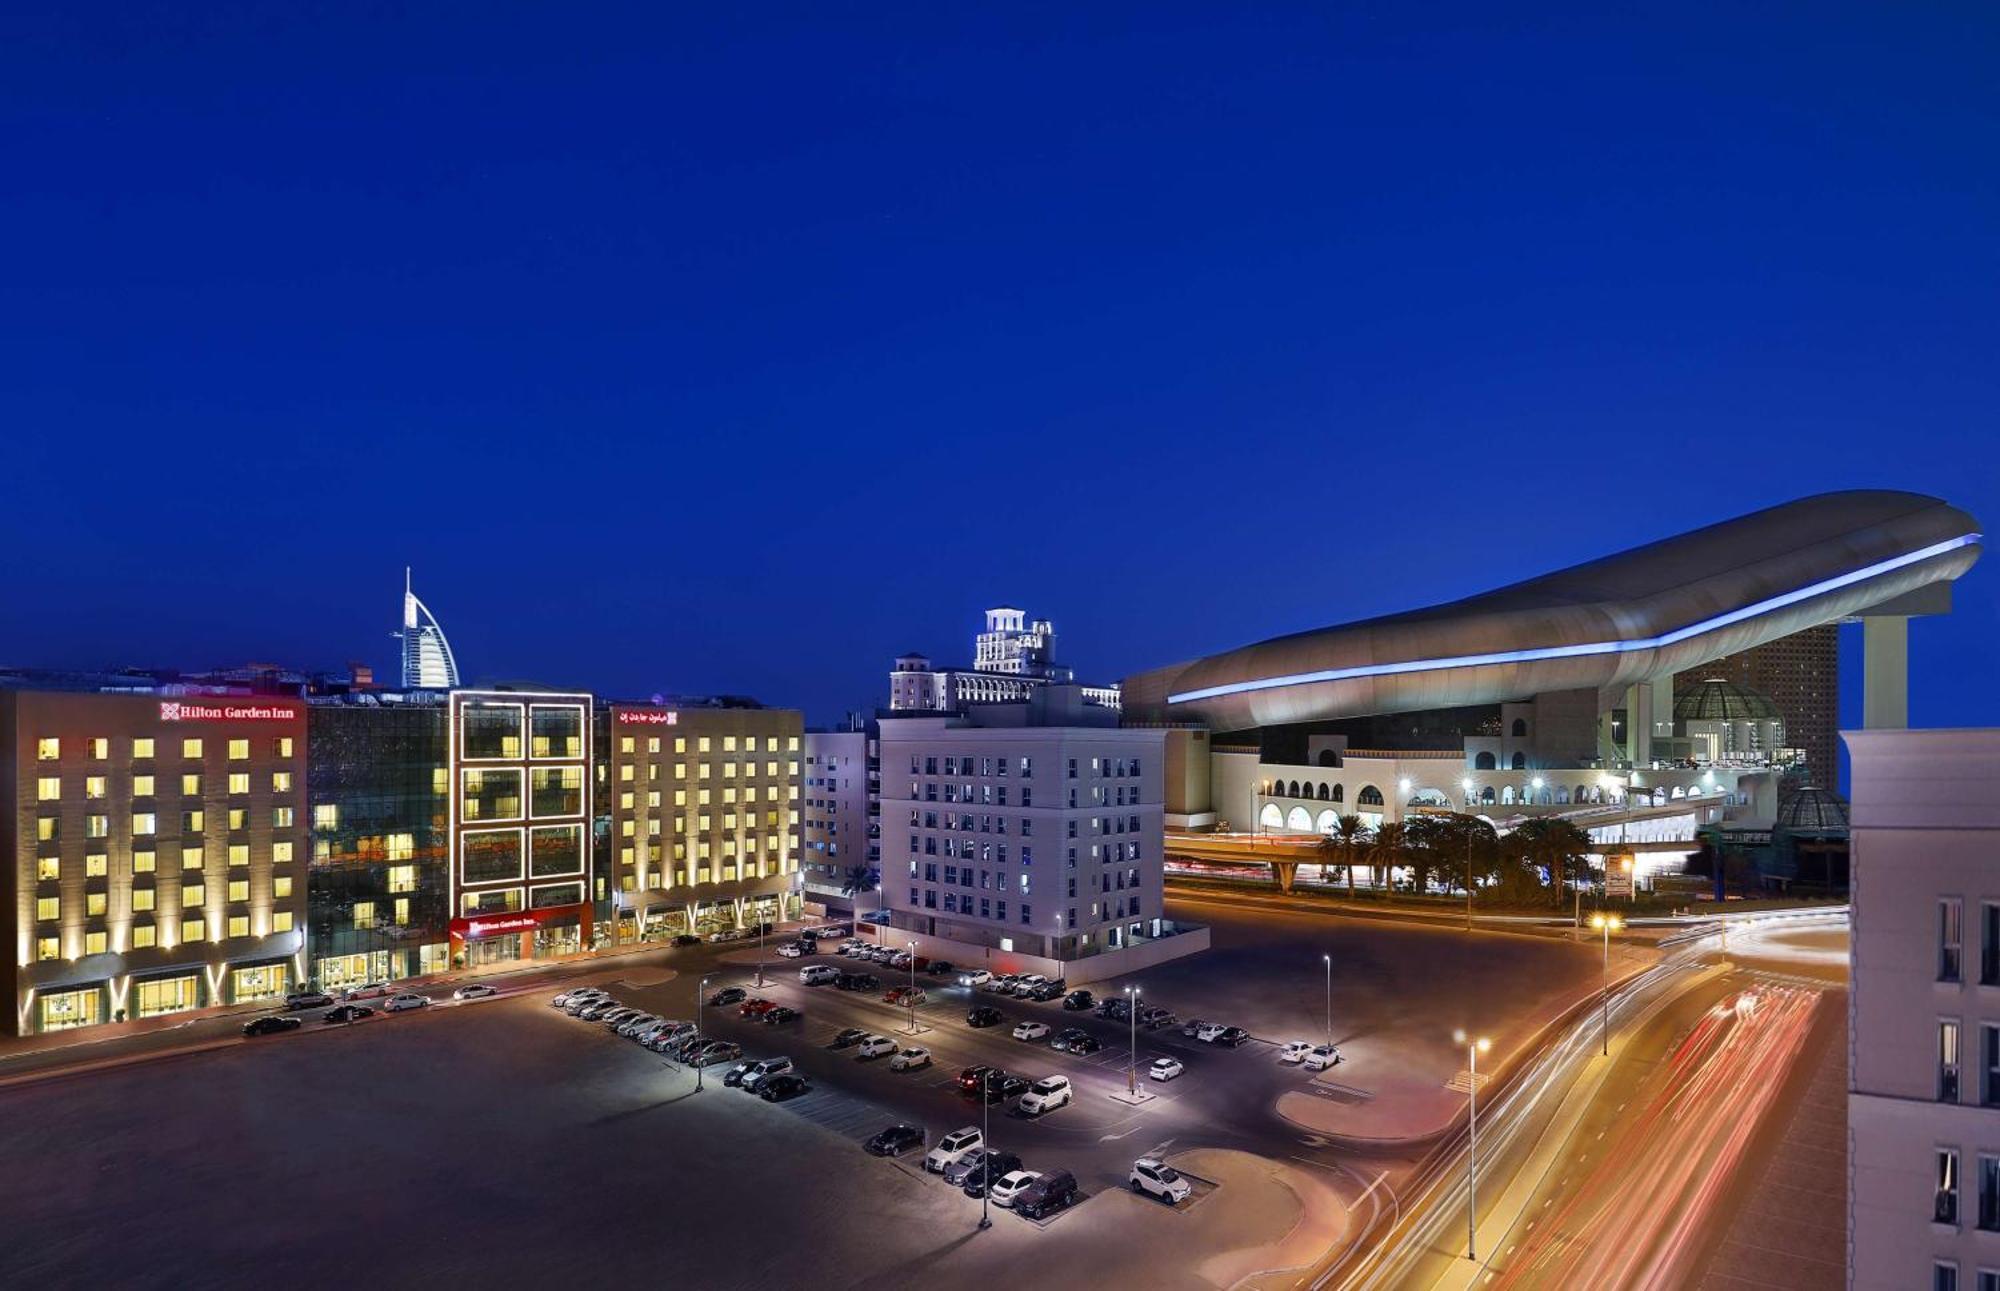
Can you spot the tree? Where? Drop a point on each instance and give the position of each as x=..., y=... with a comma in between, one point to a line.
x=1554, y=845
x=1446, y=841
x=1349, y=833
x=858, y=879
x=1390, y=847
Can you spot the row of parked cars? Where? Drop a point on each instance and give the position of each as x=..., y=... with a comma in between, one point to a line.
x=347, y=1011
x=891, y=957
x=966, y=1161
x=679, y=1040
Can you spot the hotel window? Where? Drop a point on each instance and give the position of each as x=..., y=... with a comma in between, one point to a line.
x=99, y=747
x=48, y=908
x=144, y=822
x=142, y=786
x=402, y=912
x=1989, y=943
x=556, y=791
x=1989, y=1193
x=97, y=826
x=400, y=847
x=142, y=862
x=239, y=782
x=1951, y=938
x=48, y=829
x=1944, y=1203
x=625, y=772
x=48, y=867
x=364, y=914
x=281, y=817
x=142, y=900
x=191, y=858
x=239, y=853
x=96, y=865
x=94, y=904
x=239, y=750
x=239, y=818
x=326, y=815
x=48, y=948
x=192, y=894
x=652, y=744
x=281, y=852
x=191, y=785
x=239, y=889
x=95, y=943
x=192, y=822
x=791, y=744
x=239, y=925
x=625, y=744
x=283, y=746
x=191, y=748
x=48, y=788
x=281, y=921
x=193, y=930
x=558, y=732
x=143, y=935
x=1947, y=1060
x=142, y=747
x=48, y=750
x=1944, y=1275
x=281, y=887
x=93, y=786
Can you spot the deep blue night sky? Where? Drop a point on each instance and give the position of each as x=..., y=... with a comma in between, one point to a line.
x=740, y=350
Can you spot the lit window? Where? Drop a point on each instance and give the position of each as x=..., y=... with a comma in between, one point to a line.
x=239, y=853
x=48, y=829
x=402, y=912
x=142, y=786
x=192, y=822
x=93, y=786
x=626, y=745
x=239, y=818
x=143, y=822
x=680, y=744
x=97, y=826
x=281, y=817
x=284, y=746
x=96, y=865
x=94, y=903
x=364, y=914
x=100, y=747
x=281, y=921
x=402, y=878
x=191, y=748
x=281, y=886
x=401, y=847
x=239, y=750
x=142, y=747
x=142, y=862
x=652, y=744
x=192, y=894
x=48, y=948
x=48, y=750
x=193, y=930
x=142, y=900
x=239, y=889
x=95, y=943
x=143, y=935
x=191, y=858
x=48, y=789
x=190, y=784
x=239, y=925
x=48, y=867
x=281, y=852
x=48, y=907
x=239, y=782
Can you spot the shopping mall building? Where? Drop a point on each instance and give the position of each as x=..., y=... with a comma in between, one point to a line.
x=1620, y=693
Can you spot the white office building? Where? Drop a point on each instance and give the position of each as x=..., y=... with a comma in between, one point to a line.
x=840, y=805
x=1026, y=837
x=1923, y=1107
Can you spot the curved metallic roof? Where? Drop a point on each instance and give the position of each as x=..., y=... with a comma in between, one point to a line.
x=1642, y=614
x=1813, y=811
x=1717, y=699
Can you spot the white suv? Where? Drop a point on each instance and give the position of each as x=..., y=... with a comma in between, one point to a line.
x=815, y=974
x=1321, y=1057
x=1154, y=1177
x=1045, y=1095
x=763, y=1071
x=953, y=1146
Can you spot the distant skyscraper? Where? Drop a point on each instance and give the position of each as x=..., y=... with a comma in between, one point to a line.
x=427, y=659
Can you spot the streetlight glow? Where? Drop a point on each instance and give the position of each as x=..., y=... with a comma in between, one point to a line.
x=1473, y=1048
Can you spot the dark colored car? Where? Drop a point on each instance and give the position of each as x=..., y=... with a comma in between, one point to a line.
x=1047, y=1195
x=895, y=1141
x=1078, y=1000
x=1084, y=1044
x=270, y=1024
x=985, y=1016
x=786, y=1084
x=733, y=1078
x=994, y=1165
x=938, y=967
x=857, y=981
x=1234, y=1037
x=308, y=1000
x=968, y=1080
x=685, y=1051
x=1001, y=1087
x=1045, y=992
x=779, y=1015
x=347, y=1013
x=728, y=995
x=687, y=939
x=1156, y=1019
x=1115, y=1009
x=852, y=1035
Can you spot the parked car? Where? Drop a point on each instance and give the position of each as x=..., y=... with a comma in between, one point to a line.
x=985, y=1016
x=1078, y=1000
x=1084, y=1045
x=1208, y=1032
x=978, y=977
x=857, y=982
x=990, y=1169
x=911, y=1059
x=1001, y=1086
x=1152, y=1177
x=792, y=950
x=347, y=1013
x=1001, y=985
x=938, y=967
x=1154, y=1018
x=270, y=1024
x=1026, y=983
x=473, y=991
x=781, y=1015
x=718, y=1051
x=1321, y=1057
x=756, y=1008
x=691, y=1044
x=895, y=1141
x=733, y=1078
x=1295, y=1051
x=1046, y=1195
x=563, y=998
x=1045, y=992
x=687, y=939
x=952, y=1147
x=1010, y=1186
x=1192, y=1027
x=1046, y=1095
x=723, y=934
x=907, y=996
x=727, y=995
x=901, y=959
x=406, y=1002
x=1234, y=1037
x=307, y=1000
x=876, y=1046
x=778, y=1088
x=634, y=1025
x=818, y=974
x=654, y=1029
x=1031, y=1031
x=366, y=991
x=1064, y=1037
x=969, y=1078
x=671, y=1038
x=592, y=1007
x=761, y=1071
x=1165, y=1068
x=852, y=1035
x=618, y=1017
x=1116, y=1009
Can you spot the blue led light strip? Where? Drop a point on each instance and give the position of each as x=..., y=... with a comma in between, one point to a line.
x=1595, y=647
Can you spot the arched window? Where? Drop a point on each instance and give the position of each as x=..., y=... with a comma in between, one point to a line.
x=1582, y=794
x=1506, y=796
x=1520, y=762
x=1520, y=728
x=1339, y=793
x=1369, y=796
x=1562, y=797
x=1271, y=817
x=1295, y=789
x=1299, y=820
x=1484, y=762
x=1678, y=792
x=1486, y=795
x=1322, y=791
x=1326, y=822
x=1328, y=758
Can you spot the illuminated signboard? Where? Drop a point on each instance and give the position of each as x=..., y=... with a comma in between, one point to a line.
x=500, y=925
x=627, y=717
x=184, y=711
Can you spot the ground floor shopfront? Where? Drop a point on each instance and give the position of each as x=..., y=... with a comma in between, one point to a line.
x=153, y=994
x=663, y=921
x=336, y=972
x=554, y=932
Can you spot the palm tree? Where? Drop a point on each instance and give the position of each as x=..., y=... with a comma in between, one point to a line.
x=857, y=879
x=1391, y=846
x=1555, y=844
x=1348, y=835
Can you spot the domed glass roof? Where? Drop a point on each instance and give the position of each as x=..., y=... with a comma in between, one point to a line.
x=1813, y=811
x=1718, y=699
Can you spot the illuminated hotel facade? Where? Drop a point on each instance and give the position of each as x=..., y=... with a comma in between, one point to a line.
x=156, y=852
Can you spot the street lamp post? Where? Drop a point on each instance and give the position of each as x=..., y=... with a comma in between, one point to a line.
x=1132, y=1020
x=1466, y=784
x=910, y=1002
x=700, y=1016
x=1328, y=961
x=985, y=1145
x=759, y=915
x=1610, y=923
x=1473, y=1048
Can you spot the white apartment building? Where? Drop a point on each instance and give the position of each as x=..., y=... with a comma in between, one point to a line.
x=1027, y=837
x=839, y=815
x=1012, y=660
x=1923, y=1161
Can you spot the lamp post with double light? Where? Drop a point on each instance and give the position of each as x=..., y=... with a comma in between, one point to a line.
x=985, y=1145
x=700, y=1017
x=1328, y=961
x=1608, y=923
x=910, y=1001
x=1473, y=1048
x=1132, y=1020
